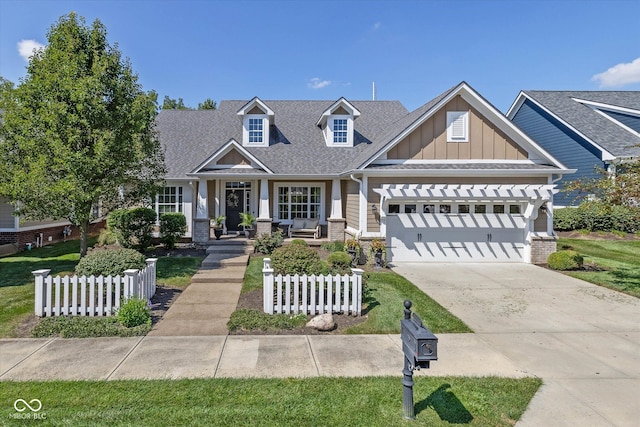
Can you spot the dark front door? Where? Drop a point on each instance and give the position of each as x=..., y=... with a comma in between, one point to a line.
x=234, y=204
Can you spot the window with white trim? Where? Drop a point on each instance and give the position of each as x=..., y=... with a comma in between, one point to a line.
x=299, y=201
x=255, y=131
x=340, y=129
x=457, y=126
x=169, y=200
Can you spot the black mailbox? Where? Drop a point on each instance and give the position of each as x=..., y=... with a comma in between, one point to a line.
x=419, y=344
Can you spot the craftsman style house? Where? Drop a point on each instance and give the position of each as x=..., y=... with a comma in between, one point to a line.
x=582, y=129
x=452, y=181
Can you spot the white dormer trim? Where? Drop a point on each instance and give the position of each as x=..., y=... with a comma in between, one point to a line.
x=250, y=135
x=209, y=163
x=333, y=127
x=600, y=108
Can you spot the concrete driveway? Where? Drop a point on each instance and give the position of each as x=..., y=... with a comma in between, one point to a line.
x=581, y=339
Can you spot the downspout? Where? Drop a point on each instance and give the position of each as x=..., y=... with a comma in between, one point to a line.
x=359, y=231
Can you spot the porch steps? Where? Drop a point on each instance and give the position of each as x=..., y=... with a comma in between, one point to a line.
x=229, y=247
x=217, y=260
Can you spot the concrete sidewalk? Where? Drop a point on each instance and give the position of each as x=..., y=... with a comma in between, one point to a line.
x=239, y=356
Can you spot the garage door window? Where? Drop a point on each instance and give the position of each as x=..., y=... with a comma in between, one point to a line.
x=409, y=208
x=514, y=209
x=445, y=209
x=394, y=209
x=480, y=209
x=463, y=208
x=498, y=209
x=428, y=208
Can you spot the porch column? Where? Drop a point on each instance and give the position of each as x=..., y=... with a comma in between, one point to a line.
x=263, y=222
x=202, y=208
x=336, y=223
x=201, y=220
x=264, y=212
x=550, y=217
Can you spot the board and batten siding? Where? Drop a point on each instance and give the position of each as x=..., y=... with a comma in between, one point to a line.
x=351, y=194
x=429, y=140
x=563, y=144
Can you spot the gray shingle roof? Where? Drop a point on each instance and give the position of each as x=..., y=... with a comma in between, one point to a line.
x=602, y=131
x=297, y=146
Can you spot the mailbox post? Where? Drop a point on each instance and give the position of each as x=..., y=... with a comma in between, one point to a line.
x=420, y=347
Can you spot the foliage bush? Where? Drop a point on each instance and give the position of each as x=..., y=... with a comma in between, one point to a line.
x=246, y=319
x=296, y=259
x=266, y=243
x=339, y=263
x=110, y=262
x=107, y=237
x=298, y=242
x=134, y=312
x=598, y=216
x=565, y=260
x=133, y=227
x=173, y=225
x=335, y=246
x=85, y=327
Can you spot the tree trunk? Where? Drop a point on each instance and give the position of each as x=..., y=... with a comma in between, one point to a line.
x=84, y=228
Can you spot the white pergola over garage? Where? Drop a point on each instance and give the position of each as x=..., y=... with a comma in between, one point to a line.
x=462, y=222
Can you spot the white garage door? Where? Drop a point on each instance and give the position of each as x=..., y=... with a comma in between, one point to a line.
x=472, y=237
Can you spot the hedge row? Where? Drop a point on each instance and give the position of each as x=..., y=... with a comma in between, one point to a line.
x=595, y=216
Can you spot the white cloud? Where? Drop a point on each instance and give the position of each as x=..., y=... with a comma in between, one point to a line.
x=377, y=25
x=620, y=75
x=317, y=83
x=26, y=48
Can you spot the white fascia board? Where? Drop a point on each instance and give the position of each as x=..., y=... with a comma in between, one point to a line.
x=340, y=102
x=411, y=128
x=508, y=127
x=224, y=150
x=605, y=154
x=255, y=101
x=517, y=103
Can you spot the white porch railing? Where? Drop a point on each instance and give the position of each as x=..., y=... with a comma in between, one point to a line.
x=311, y=294
x=91, y=296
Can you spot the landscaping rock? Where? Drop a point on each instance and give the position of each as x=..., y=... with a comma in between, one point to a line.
x=322, y=322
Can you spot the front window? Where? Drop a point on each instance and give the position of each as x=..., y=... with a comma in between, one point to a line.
x=340, y=131
x=169, y=200
x=299, y=202
x=255, y=131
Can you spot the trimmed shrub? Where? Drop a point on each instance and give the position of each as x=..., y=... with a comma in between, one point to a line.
x=110, y=262
x=296, y=259
x=335, y=246
x=298, y=242
x=172, y=226
x=339, y=263
x=133, y=227
x=107, y=237
x=266, y=243
x=85, y=327
x=565, y=260
x=134, y=312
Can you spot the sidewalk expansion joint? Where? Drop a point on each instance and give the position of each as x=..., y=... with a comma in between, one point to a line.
x=126, y=356
x=224, y=345
x=313, y=356
x=27, y=356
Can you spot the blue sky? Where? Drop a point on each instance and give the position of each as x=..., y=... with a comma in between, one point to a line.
x=413, y=50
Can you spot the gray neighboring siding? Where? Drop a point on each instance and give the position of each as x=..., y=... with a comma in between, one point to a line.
x=562, y=143
x=7, y=220
x=626, y=119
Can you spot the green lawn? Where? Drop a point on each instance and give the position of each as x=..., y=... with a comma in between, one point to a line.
x=370, y=401
x=17, y=283
x=619, y=259
x=383, y=303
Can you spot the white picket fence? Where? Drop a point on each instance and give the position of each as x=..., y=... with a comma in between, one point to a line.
x=91, y=296
x=311, y=294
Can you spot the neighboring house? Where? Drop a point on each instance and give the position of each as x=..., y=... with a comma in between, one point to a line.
x=453, y=181
x=583, y=130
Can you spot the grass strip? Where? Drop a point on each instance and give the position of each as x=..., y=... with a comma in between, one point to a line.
x=370, y=401
x=618, y=259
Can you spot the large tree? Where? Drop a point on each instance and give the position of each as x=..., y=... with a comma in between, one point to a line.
x=621, y=188
x=78, y=131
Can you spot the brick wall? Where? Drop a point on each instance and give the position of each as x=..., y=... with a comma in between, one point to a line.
x=541, y=248
x=21, y=238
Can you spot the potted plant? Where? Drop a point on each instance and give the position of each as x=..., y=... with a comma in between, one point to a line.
x=247, y=220
x=353, y=248
x=378, y=249
x=218, y=225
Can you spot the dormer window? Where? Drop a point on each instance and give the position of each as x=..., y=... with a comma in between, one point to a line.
x=256, y=134
x=336, y=123
x=340, y=129
x=256, y=121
